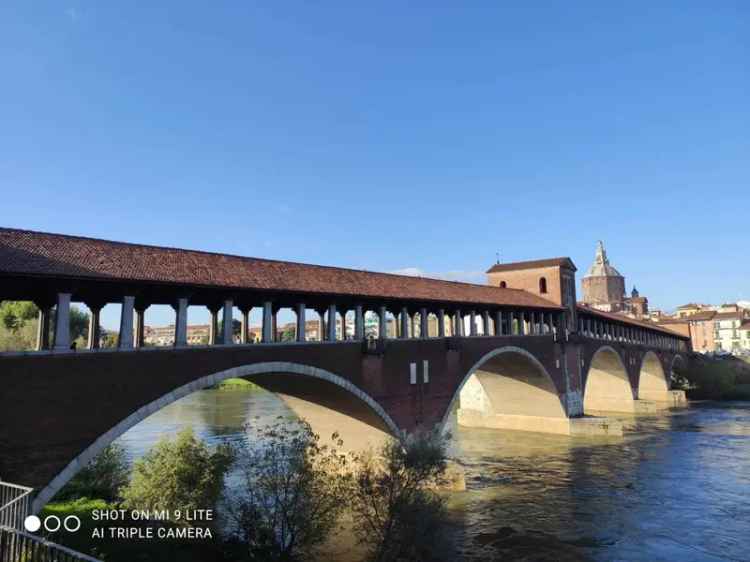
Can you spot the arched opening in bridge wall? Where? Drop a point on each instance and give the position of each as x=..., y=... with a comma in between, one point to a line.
x=328, y=401
x=652, y=381
x=607, y=386
x=372, y=324
x=109, y=319
x=432, y=325
x=159, y=324
x=509, y=389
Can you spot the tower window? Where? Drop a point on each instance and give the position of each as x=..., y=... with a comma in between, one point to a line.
x=543, y=285
x=503, y=285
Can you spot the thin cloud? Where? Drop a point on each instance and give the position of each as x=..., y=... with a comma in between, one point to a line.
x=73, y=14
x=456, y=275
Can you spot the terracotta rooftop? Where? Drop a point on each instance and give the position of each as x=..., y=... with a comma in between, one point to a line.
x=582, y=308
x=36, y=254
x=533, y=264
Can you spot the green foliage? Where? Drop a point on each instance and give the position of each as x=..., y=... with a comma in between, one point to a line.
x=104, y=477
x=79, y=323
x=178, y=474
x=709, y=380
x=15, y=314
x=292, y=492
x=397, y=513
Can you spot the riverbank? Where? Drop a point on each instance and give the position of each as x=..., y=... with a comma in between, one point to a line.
x=725, y=378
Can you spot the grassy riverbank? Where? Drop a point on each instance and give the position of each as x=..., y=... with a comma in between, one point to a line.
x=235, y=384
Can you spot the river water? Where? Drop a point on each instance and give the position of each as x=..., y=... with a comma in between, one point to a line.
x=676, y=487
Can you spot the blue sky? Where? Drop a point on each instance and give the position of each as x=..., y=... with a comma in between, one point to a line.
x=390, y=135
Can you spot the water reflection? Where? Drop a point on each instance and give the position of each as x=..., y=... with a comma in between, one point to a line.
x=676, y=487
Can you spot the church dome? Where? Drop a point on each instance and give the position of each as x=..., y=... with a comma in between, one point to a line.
x=601, y=266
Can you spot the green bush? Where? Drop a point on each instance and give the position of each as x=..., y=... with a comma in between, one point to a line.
x=179, y=474
x=103, y=478
x=397, y=513
x=293, y=489
x=709, y=380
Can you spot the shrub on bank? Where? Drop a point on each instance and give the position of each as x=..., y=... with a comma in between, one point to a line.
x=292, y=492
x=104, y=477
x=179, y=474
x=397, y=512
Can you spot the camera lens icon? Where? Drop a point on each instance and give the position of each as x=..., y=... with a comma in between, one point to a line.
x=52, y=523
x=32, y=523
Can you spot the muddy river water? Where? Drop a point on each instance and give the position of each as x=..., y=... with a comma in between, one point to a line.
x=676, y=487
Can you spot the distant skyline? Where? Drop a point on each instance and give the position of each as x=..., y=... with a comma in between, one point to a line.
x=416, y=138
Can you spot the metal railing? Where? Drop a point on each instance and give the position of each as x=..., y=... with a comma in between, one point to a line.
x=15, y=504
x=17, y=546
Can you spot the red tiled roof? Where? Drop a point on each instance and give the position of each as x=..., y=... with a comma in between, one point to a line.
x=624, y=319
x=533, y=264
x=28, y=253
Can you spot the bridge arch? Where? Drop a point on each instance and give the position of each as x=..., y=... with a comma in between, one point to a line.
x=653, y=382
x=607, y=386
x=508, y=388
x=269, y=369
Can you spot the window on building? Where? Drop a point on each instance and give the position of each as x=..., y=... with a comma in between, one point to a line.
x=503, y=285
x=543, y=285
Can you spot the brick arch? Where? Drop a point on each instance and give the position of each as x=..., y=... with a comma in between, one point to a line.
x=549, y=382
x=651, y=375
x=266, y=368
x=607, y=384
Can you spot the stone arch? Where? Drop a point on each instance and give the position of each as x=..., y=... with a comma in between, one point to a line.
x=607, y=386
x=653, y=383
x=267, y=368
x=509, y=388
x=677, y=360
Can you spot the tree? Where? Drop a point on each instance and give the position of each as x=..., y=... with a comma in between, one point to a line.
x=397, y=512
x=79, y=323
x=292, y=491
x=103, y=478
x=15, y=314
x=179, y=474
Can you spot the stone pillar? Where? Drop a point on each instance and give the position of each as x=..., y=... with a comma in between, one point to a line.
x=342, y=312
x=331, y=332
x=140, y=326
x=424, y=326
x=244, y=325
x=359, y=322
x=301, y=336
x=441, y=323
x=473, y=323
x=404, y=323
x=42, y=329
x=382, y=324
x=227, y=335
x=412, y=326
x=267, y=331
x=498, y=323
x=62, y=322
x=459, y=324
x=486, y=323
x=321, y=325
x=126, y=323
x=94, y=327
x=180, y=322
x=213, y=326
